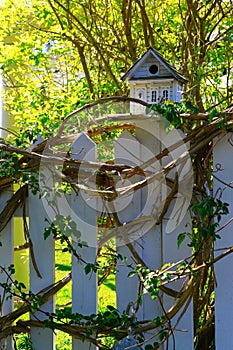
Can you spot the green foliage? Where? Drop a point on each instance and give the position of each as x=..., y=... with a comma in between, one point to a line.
x=105, y=266
x=11, y=167
x=213, y=114
x=110, y=317
x=152, y=279
x=151, y=347
x=23, y=342
x=31, y=177
x=208, y=214
x=172, y=111
x=64, y=228
x=8, y=167
x=108, y=261
x=17, y=290
x=55, y=58
x=91, y=268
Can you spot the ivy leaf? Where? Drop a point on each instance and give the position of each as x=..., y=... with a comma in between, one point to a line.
x=214, y=113
x=180, y=239
x=90, y=267
x=149, y=347
x=47, y=232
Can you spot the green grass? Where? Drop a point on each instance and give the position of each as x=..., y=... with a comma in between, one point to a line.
x=106, y=293
x=62, y=267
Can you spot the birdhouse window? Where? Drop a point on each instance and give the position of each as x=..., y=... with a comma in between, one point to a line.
x=140, y=94
x=165, y=95
x=153, y=69
x=153, y=96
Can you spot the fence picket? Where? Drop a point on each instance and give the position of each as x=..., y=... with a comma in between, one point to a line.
x=183, y=338
x=161, y=247
x=7, y=258
x=223, y=170
x=183, y=331
x=148, y=134
x=84, y=287
x=127, y=151
x=42, y=338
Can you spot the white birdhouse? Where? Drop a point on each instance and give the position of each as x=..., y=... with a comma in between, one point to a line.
x=152, y=79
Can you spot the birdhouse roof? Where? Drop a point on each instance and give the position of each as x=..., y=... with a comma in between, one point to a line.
x=138, y=72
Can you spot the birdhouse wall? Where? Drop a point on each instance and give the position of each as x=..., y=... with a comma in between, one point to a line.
x=178, y=92
x=155, y=92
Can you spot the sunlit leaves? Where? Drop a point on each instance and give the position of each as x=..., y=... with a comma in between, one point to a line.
x=57, y=55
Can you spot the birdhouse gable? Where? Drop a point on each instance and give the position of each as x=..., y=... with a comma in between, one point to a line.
x=152, y=66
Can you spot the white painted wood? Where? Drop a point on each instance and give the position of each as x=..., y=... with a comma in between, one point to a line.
x=178, y=220
x=129, y=150
x=223, y=170
x=44, y=256
x=153, y=93
x=178, y=91
x=128, y=208
x=172, y=93
x=6, y=259
x=181, y=201
x=84, y=287
x=161, y=241
x=183, y=332
x=143, y=70
x=144, y=92
x=139, y=93
x=148, y=133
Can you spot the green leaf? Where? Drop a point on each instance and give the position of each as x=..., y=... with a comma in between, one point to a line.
x=214, y=113
x=180, y=239
x=77, y=234
x=132, y=273
x=149, y=347
x=87, y=269
x=47, y=232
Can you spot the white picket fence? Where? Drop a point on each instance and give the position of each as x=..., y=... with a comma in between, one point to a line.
x=156, y=246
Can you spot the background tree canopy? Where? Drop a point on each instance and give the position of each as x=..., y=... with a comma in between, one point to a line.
x=57, y=55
